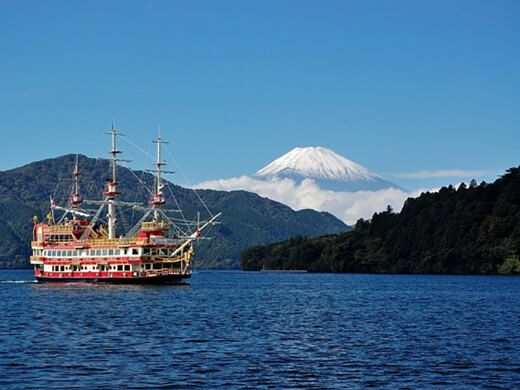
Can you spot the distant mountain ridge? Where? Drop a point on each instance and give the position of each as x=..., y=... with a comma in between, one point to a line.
x=328, y=169
x=247, y=219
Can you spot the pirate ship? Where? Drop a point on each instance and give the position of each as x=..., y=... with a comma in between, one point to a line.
x=83, y=247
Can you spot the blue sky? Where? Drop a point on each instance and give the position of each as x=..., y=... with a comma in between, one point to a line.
x=399, y=87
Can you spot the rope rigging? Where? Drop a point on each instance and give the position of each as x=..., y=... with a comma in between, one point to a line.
x=180, y=227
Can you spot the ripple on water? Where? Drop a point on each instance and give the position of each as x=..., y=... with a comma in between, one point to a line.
x=261, y=330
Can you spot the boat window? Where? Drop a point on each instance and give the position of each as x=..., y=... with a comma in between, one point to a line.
x=111, y=252
x=98, y=252
x=135, y=251
x=117, y=252
x=62, y=268
x=157, y=266
x=75, y=253
x=120, y=267
x=69, y=253
x=92, y=252
x=148, y=266
x=146, y=251
x=127, y=267
x=104, y=252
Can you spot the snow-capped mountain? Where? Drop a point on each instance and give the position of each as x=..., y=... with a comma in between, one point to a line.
x=328, y=169
x=319, y=179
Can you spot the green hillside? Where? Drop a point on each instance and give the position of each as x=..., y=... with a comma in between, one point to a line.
x=247, y=219
x=474, y=230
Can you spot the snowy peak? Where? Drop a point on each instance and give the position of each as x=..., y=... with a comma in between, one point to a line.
x=316, y=163
x=329, y=170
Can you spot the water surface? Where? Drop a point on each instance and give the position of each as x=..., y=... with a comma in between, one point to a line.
x=263, y=330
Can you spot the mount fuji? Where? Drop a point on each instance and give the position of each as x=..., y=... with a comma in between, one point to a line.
x=329, y=170
x=319, y=179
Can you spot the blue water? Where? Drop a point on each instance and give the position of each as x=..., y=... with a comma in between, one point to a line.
x=263, y=330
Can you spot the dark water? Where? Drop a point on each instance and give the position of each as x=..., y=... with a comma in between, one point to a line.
x=263, y=330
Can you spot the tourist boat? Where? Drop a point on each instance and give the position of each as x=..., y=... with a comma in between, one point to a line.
x=85, y=248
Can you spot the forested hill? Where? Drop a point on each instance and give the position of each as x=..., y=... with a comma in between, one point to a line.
x=247, y=219
x=471, y=230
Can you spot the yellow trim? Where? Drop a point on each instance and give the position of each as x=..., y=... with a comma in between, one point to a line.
x=155, y=226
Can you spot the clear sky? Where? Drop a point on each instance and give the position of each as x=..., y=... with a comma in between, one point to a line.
x=399, y=87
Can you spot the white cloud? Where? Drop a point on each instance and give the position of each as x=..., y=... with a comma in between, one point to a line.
x=347, y=206
x=444, y=173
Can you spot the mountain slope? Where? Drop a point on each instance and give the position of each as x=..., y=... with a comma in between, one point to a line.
x=474, y=230
x=328, y=169
x=247, y=218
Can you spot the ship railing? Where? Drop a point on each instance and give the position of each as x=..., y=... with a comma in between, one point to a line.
x=163, y=225
x=166, y=259
x=110, y=241
x=166, y=241
x=165, y=271
x=61, y=228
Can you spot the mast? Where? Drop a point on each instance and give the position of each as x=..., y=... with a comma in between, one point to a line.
x=111, y=192
x=158, y=199
x=74, y=201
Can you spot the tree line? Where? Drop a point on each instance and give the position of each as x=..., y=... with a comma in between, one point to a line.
x=472, y=229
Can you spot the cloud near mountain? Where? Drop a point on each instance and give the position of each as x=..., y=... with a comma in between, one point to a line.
x=319, y=179
x=348, y=206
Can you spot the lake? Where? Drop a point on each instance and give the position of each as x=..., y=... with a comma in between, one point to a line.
x=263, y=330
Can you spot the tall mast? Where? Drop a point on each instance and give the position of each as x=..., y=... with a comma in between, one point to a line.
x=111, y=192
x=74, y=201
x=158, y=199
